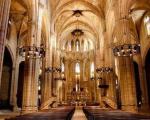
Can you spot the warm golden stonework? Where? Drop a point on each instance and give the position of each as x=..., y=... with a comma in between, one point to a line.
x=74, y=53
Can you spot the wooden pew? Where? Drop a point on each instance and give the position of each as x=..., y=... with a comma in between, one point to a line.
x=95, y=113
x=61, y=113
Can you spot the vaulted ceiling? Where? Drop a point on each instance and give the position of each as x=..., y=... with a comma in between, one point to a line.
x=18, y=15
x=93, y=17
x=87, y=15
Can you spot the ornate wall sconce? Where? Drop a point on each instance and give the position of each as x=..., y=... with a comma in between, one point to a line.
x=126, y=50
x=104, y=70
x=32, y=52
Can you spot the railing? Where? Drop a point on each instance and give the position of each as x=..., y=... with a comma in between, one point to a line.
x=48, y=103
x=110, y=103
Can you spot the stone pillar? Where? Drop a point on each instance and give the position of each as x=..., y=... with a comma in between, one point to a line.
x=98, y=65
x=31, y=71
x=124, y=33
x=57, y=72
x=127, y=84
x=90, y=82
x=109, y=73
x=4, y=15
x=46, y=89
x=46, y=86
x=81, y=73
x=68, y=75
x=110, y=80
x=30, y=89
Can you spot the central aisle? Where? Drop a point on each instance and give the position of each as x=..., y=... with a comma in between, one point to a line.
x=79, y=114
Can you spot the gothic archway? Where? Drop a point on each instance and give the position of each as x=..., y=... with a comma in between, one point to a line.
x=20, y=84
x=5, y=88
x=137, y=83
x=147, y=69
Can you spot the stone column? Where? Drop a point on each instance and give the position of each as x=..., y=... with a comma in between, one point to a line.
x=125, y=33
x=68, y=75
x=81, y=73
x=100, y=60
x=30, y=89
x=65, y=83
x=57, y=73
x=109, y=73
x=127, y=84
x=46, y=89
x=31, y=71
x=90, y=83
x=4, y=15
x=98, y=65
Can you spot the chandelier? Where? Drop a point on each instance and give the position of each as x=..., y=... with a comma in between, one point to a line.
x=32, y=52
x=77, y=32
x=104, y=70
x=60, y=78
x=126, y=50
x=56, y=70
x=53, y=69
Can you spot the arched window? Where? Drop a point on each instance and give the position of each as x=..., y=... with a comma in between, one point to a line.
x=77, y=68
x=147, y=24
x=72, y=45
x=69, y=45
x=85, y=46
x=92, y=69
x=77, y=45
x=62, y=67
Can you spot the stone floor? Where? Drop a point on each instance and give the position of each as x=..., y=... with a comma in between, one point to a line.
x=7, y=114
x=78, y=114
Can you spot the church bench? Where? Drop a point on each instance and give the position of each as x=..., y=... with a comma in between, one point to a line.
x=62, y=113
x=107, y=114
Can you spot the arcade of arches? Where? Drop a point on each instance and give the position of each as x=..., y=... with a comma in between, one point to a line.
x=74, y=53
